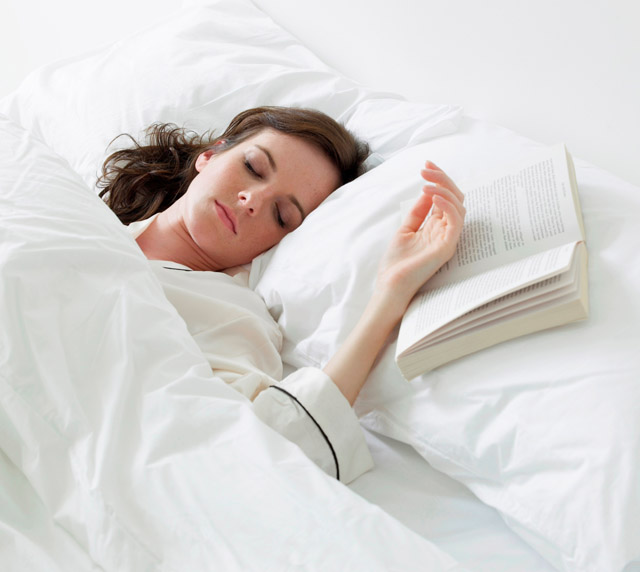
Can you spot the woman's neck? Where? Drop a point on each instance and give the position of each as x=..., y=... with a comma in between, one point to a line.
x=166, y=238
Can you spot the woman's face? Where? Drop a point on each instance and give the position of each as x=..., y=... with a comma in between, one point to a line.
x=246, y=199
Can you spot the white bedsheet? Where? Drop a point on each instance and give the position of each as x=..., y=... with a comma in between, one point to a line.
x=546, y=427
x=442, y=510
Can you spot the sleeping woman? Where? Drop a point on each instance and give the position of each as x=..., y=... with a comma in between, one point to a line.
x=202, y=207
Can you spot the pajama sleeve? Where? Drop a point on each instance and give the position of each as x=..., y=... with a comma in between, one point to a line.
x=308, y=409
x=241, y=343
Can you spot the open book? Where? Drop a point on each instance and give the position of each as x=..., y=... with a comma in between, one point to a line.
x=520, y=267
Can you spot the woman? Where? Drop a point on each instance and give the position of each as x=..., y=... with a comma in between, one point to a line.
x=199, y=207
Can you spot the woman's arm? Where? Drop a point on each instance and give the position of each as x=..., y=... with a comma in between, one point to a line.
x=425, y=241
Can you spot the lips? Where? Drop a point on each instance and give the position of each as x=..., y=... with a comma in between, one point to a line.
x=226, y=216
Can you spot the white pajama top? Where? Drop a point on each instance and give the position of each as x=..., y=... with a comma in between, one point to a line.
x=242, y=342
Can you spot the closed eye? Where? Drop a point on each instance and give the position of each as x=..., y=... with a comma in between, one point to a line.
x=278, y=216
x=251, y=170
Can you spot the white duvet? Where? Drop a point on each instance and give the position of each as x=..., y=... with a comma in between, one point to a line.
x=114, y=429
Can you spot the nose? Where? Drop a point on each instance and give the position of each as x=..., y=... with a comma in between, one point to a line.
x=252, y=200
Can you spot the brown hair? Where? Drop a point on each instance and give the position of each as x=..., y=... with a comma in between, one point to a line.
x=147, y=178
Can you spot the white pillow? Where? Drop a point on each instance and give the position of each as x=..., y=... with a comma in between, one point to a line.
x=199, y=68
x=545, y=428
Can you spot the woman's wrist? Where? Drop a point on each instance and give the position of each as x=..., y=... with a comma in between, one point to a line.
x=388, y=305
x=353, y=361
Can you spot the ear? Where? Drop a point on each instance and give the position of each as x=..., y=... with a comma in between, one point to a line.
x=203, y=159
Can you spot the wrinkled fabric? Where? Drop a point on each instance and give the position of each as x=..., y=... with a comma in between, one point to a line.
x=241, y=342
x=123, y=448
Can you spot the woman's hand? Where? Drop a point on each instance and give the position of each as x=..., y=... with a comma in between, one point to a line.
x=418, y=250
x=414, y=255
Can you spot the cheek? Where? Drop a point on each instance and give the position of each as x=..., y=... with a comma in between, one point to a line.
x=265, y=236
x=202, y=187
x=264, y=241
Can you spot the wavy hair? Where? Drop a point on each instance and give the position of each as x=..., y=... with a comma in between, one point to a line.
x=146, y=178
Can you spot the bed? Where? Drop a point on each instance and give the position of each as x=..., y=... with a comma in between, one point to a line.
x=121, y=452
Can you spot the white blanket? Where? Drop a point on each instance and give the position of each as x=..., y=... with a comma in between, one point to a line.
x=114, y=428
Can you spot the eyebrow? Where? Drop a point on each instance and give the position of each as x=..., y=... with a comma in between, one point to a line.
x=292, y=198
x=269, y=157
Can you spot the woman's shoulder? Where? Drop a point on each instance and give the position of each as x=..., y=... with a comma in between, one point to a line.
x=203, y=296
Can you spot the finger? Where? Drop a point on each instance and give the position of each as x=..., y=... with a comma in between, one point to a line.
x=442, y=179
x=437, y=176
x=432, y=165
x=455, y=218
x=448, y=194
x=418, y=213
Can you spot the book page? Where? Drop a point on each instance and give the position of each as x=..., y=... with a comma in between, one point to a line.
x=524, y=211
x=432, y=308
x=532, y=295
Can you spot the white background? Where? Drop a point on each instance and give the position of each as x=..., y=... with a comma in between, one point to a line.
x=552, y=70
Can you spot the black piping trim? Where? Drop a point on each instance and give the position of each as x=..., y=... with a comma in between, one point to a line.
x=181, y=269
x=335, y=457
